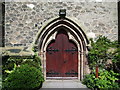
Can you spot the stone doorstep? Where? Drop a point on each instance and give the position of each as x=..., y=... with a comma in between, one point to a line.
x=63, y=84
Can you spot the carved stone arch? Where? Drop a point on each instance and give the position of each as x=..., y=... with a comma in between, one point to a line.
x=51, y=36
x=75, y=34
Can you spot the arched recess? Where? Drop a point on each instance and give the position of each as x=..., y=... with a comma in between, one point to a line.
x=75, y=33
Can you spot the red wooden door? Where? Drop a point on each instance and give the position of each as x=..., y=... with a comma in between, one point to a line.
x=62, y=57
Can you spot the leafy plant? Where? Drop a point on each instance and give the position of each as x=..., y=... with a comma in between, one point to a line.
x=8, y=71
x=36, y=62
x=98, y=55
x=24, y=77
x=106, y=80
x=11, y=63
x=101, y=51
x=114, y=54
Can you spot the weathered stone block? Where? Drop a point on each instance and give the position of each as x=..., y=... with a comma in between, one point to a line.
x=97, y=17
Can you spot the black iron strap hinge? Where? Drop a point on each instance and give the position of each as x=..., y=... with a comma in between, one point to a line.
x=71, y=50
x=51, y=49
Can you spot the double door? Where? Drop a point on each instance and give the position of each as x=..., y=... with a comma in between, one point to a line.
x=62, y=57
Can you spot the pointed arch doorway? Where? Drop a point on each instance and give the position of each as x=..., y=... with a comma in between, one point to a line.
x=62, y=46
x=62, y=57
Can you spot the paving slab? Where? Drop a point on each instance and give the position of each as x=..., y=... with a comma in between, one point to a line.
x=63, y=84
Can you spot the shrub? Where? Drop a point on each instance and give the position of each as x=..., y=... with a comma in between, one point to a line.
x=8, y=62
x=36, y=62
x=98, y=55
x=24, y=77
x=106, y=80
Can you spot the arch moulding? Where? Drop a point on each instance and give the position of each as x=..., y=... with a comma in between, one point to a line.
x=48, y=33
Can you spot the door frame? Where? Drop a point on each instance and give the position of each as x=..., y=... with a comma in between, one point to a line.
x=48, y=33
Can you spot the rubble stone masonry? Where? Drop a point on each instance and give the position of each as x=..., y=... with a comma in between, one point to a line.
x=23, y=20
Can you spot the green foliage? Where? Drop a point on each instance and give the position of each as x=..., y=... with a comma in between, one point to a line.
x=14, y=60
x=101, y=51
x=98, y=53
x=114, y=51
x=19, y=60
x=8, y=71
x=8, y=63
x=11, y=66
x=24, y=77
x=114, y=56
x=36, y=62
x=106, y=80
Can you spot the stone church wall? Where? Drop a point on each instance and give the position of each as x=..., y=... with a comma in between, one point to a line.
x=1, y=25
x=23, y=20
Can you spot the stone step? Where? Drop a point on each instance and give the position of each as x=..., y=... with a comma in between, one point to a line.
x=63, y=84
